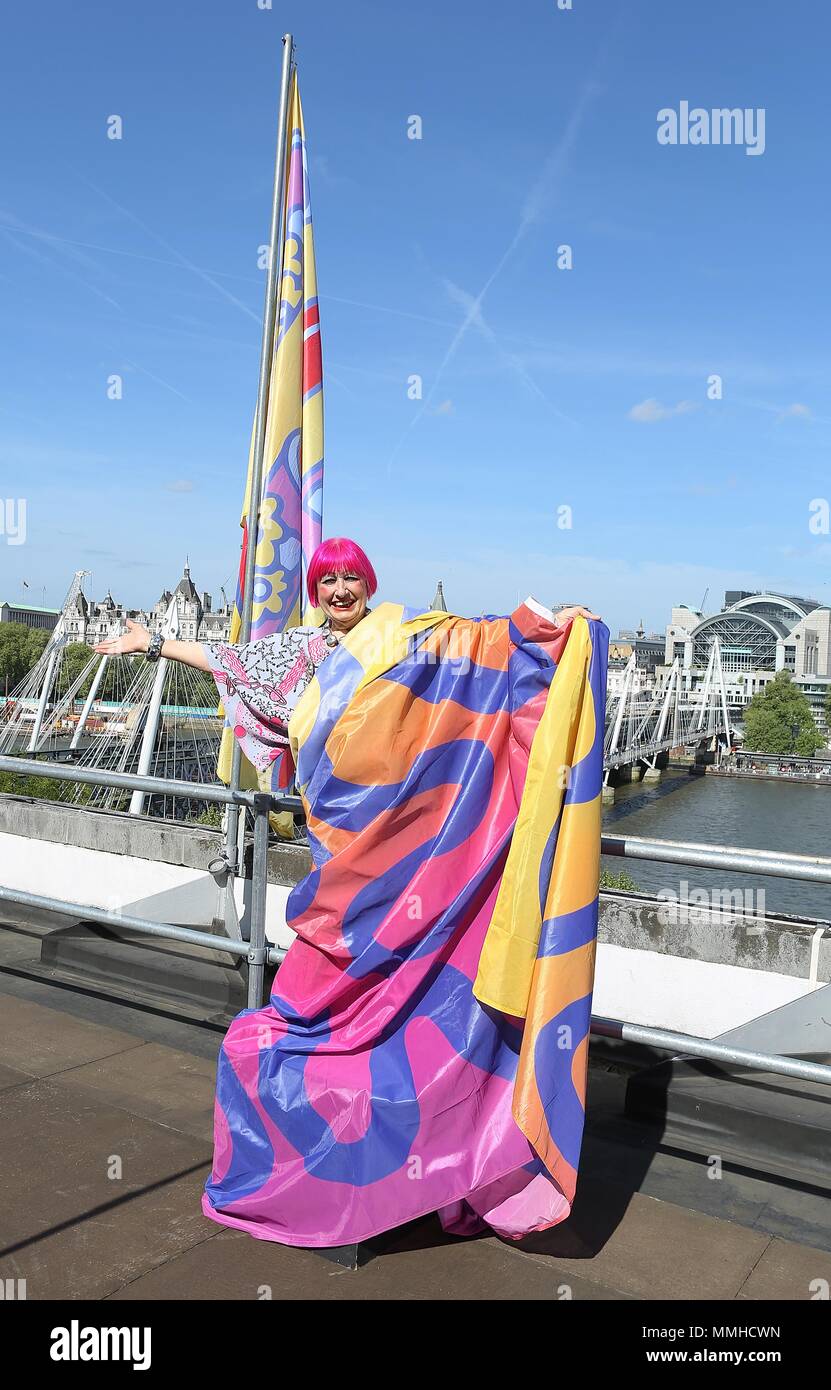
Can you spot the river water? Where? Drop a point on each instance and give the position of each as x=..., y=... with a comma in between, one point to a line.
x=748, y=814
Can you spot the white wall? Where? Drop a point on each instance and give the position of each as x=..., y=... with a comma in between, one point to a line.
x=689, y=996
x=123, y=884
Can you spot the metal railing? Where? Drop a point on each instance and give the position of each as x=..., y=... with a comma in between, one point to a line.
x=254, y=952
x=667, y=1041
x=133, y=781
x=810, y=868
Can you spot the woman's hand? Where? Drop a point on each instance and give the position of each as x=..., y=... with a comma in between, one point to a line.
x=135, y=639
x=576, y=611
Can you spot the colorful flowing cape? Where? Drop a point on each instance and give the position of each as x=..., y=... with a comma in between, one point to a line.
x=425, y=1047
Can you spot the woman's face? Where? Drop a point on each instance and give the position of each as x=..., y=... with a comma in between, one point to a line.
x=343, y=598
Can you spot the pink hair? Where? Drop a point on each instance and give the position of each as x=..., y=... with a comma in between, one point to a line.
x=339, y=555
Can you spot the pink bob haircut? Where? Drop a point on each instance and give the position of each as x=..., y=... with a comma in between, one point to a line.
x=340, y=556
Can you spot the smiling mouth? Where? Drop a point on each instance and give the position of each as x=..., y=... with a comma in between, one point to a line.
x=343, y=603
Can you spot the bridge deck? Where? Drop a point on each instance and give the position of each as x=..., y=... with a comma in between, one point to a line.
x=84, y=1078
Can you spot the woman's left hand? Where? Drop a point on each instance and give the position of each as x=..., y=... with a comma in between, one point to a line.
x=575, y=612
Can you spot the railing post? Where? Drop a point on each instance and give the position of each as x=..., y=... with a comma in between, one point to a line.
x=259, y=870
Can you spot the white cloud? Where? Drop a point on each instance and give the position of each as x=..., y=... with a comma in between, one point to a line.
x=797, y=411
x=647, y=412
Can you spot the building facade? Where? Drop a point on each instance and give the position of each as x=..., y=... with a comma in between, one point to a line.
x=648, y=649
x=29, y=616
x=90, y=622
x=759, y=634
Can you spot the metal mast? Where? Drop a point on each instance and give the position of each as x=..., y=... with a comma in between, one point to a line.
x=272, y=289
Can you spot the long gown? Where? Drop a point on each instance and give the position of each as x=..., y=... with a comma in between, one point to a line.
x=425, y=1045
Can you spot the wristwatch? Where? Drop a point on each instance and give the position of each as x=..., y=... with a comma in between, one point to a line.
x=154, y=647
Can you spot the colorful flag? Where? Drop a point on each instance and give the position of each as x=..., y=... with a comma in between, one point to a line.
x=292, y=494
x=425, y=1047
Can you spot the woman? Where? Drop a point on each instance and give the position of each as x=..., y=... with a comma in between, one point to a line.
x=340, y=581
x=261, y=682
x=385, y=1079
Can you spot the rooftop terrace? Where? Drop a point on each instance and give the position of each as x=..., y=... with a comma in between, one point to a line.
x=85, y=1077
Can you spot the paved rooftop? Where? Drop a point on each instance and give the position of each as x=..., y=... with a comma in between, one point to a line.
x=86, y=1079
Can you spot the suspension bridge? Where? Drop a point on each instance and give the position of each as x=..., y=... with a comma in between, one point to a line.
x=644, y=728
x=116, y=714
x=126, y=715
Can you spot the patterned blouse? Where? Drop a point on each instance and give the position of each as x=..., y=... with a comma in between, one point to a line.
x=260, y=683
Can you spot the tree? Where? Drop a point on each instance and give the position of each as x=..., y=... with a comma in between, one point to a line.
x=779, y=720
x=34, y=646
x=42, y=788
x=20, y=648
x=76, y=655
x=622, y=881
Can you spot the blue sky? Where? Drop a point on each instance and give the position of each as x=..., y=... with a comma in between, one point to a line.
x=436, y=257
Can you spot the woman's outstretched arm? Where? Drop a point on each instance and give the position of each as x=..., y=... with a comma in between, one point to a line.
x=136, y=639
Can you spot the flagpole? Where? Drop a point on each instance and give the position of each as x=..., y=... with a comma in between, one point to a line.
x=272, y=289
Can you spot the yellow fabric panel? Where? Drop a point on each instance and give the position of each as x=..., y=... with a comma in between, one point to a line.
x=506, y=965
x=302, y=720
x=577, y=861
x=378, y=642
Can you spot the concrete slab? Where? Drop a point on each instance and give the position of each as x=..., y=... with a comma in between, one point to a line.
x=127, y=1014
x=797, y=1029
x=159, y=1083
x=650, y=1249
x=634, y=1155
x=21, y=918
x=420, y=1265
x=67, y=1157
x=790, y=1272
x=12, y=1076
x=161, y=973
x=119, y=833
x=756, y=1200
x=98, y=1253
x=44, y=1041
x=18, y=945
x=765, y=1121
x=144, y=1092
x=803, y=1218
x=666, y=1176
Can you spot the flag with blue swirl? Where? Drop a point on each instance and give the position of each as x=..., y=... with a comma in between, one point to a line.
x=292, y=495
x=425, y=1045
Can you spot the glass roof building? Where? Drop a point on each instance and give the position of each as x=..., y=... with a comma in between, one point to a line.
x=759, y=633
